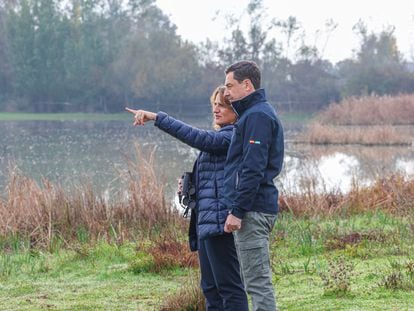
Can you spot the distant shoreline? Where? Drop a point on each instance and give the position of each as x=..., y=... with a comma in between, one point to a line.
x=23, y=116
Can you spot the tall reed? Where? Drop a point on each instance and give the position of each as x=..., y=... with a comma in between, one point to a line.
x=370, y=110
x=318, y=133
x=394, y=194
x=42, y=212
x=368, y=120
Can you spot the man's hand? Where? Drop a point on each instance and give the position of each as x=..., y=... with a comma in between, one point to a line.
x=141, y=116
x=232, y=223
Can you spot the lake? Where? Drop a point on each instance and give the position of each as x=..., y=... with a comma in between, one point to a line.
x=71, y=152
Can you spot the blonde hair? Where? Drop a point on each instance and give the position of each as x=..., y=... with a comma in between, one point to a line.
x=219, y=91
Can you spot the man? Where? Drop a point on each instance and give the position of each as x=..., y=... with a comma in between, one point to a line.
x=254, y=159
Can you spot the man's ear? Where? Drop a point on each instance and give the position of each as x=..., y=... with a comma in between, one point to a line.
x=248, y=85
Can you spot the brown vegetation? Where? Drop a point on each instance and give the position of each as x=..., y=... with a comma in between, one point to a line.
x=370, y=110
x=190, y=296
x=369, y=120
x=44, y=212
x=394, y=194
x=169, y=252
x=318, y=133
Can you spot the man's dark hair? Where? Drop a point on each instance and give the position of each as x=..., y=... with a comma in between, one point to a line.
x=246, y=69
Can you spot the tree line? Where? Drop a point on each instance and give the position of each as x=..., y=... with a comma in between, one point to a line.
x=101, y=55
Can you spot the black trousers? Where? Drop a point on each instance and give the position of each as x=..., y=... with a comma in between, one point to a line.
x=220, y=274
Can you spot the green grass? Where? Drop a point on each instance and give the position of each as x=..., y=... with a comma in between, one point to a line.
x=15, y=116
x=301, y=255
x=99, y=277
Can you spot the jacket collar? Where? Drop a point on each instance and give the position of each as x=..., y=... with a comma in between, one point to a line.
x=226, y=127
x=241, y=105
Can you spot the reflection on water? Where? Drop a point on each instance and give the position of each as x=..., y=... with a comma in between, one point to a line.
x=405, y=166
x=327, y=173
x=336, y=168
x=72, y=152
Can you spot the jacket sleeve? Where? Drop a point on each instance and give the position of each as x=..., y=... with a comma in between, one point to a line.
x=203, y=140
x=258, y=133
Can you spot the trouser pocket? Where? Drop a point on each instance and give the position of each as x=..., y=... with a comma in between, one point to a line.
x=254, y=257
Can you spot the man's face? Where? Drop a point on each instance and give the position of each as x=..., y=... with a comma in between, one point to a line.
x=236, y=90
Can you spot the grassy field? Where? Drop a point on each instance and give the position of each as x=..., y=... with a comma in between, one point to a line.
x=69, y=280
x=359, y=262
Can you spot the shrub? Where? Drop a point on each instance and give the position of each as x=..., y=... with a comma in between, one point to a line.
x=142, y=262
x=169, y=252
x=189, y=297
x=400, y=276
x=337, y=280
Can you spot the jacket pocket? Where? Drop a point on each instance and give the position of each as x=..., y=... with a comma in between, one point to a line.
x=236, y=182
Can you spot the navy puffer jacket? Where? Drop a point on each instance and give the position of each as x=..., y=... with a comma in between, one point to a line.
x=208, y=170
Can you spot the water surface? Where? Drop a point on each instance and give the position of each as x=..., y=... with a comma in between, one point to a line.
x=70, y=152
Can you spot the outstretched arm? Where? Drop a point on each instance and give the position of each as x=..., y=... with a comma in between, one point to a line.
x=209, y=141
x=203, y=140
x=141, y=116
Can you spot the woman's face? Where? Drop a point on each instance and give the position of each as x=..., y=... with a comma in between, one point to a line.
x=223, y=114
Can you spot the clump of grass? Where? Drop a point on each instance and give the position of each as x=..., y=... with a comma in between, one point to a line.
x=142, y=262
x=410, y=269
x=189, y=297
x=337, y=280
x=354, y=238
x=43, y=212
x=168, y=252
x=400, y=276
x=164, y=252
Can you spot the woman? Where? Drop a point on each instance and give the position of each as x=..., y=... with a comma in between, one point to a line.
x=220, y=273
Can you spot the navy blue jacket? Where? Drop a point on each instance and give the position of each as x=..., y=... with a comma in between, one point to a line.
x=254, y=158
x=208, y=172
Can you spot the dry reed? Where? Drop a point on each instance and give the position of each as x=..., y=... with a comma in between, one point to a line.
x=369, y=120
x=394, y=194
x=45, y=211
x=370, y=110
x=318, y=133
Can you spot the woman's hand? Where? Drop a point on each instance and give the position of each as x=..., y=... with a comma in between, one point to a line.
x=141, y=116
x=180, y=186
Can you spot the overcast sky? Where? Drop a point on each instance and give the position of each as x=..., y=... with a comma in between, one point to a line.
x=194, y=20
